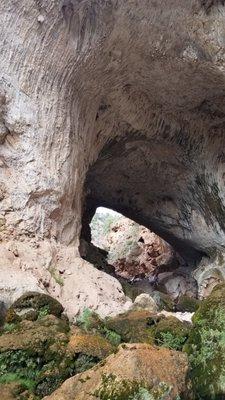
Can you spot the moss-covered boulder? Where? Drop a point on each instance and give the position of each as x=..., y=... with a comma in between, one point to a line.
x=136, y=372
x=37, y=356
x=90, y=322
x=90, y=344
x=172, y=333
x=133, y=326
x=206, y=347
x=32, y=305
x=17, y=391
x=33, y=354
x=187, y=304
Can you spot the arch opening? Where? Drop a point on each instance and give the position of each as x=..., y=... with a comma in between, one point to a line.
x=141, y=260
x=159, y=180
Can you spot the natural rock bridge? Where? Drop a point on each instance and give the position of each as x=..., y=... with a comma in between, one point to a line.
x=114, y=103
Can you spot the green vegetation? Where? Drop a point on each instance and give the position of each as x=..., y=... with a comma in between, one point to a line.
x=167, y=339
x=206, y=347
x=137, y=326
x=89, y=321
x=85, y=319
x=19, y=366
x=114, y=388
x=43, y=311
x=39, y=375
x=171, y=333
x=83, y=362
x=113, y=337
x=9, y=327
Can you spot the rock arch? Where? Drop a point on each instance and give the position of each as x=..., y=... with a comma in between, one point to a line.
x=131, y=92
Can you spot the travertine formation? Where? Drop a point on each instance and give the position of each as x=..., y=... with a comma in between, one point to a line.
x=115, y=103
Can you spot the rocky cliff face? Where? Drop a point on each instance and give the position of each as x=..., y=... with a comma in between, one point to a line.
x=109, y=103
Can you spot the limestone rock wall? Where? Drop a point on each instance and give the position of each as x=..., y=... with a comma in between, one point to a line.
x=133, y=89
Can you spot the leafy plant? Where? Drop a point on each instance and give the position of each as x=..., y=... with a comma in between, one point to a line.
x=90, y=321
x=167, y=339
x=43, y=312
x=113, y=337
x=84, y=320
x=84, y=362
x=28, y=384
x=9, y=327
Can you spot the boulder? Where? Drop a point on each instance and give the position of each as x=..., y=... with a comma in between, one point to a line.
x=146, y=302
x=37, y=356
x=135, y=370
x=9, y=391
x=134, y=326
x=32, y=354
x=89, y=344
x=31, y=305
x=206, y=346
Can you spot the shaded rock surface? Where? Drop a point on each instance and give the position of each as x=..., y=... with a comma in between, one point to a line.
x=155, y=366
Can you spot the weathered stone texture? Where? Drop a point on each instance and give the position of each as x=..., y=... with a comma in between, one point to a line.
x=133, y=89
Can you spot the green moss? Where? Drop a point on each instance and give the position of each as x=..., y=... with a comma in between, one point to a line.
x=113, y=337
x=27, y=384
x=133, y=326
x=34, y=351
x=206, y=347
x=89, y=321
x=36, y=355
x=83, y=362
x=171, y=333
x=30, y=304
x=114, y=388
x=41, y=377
